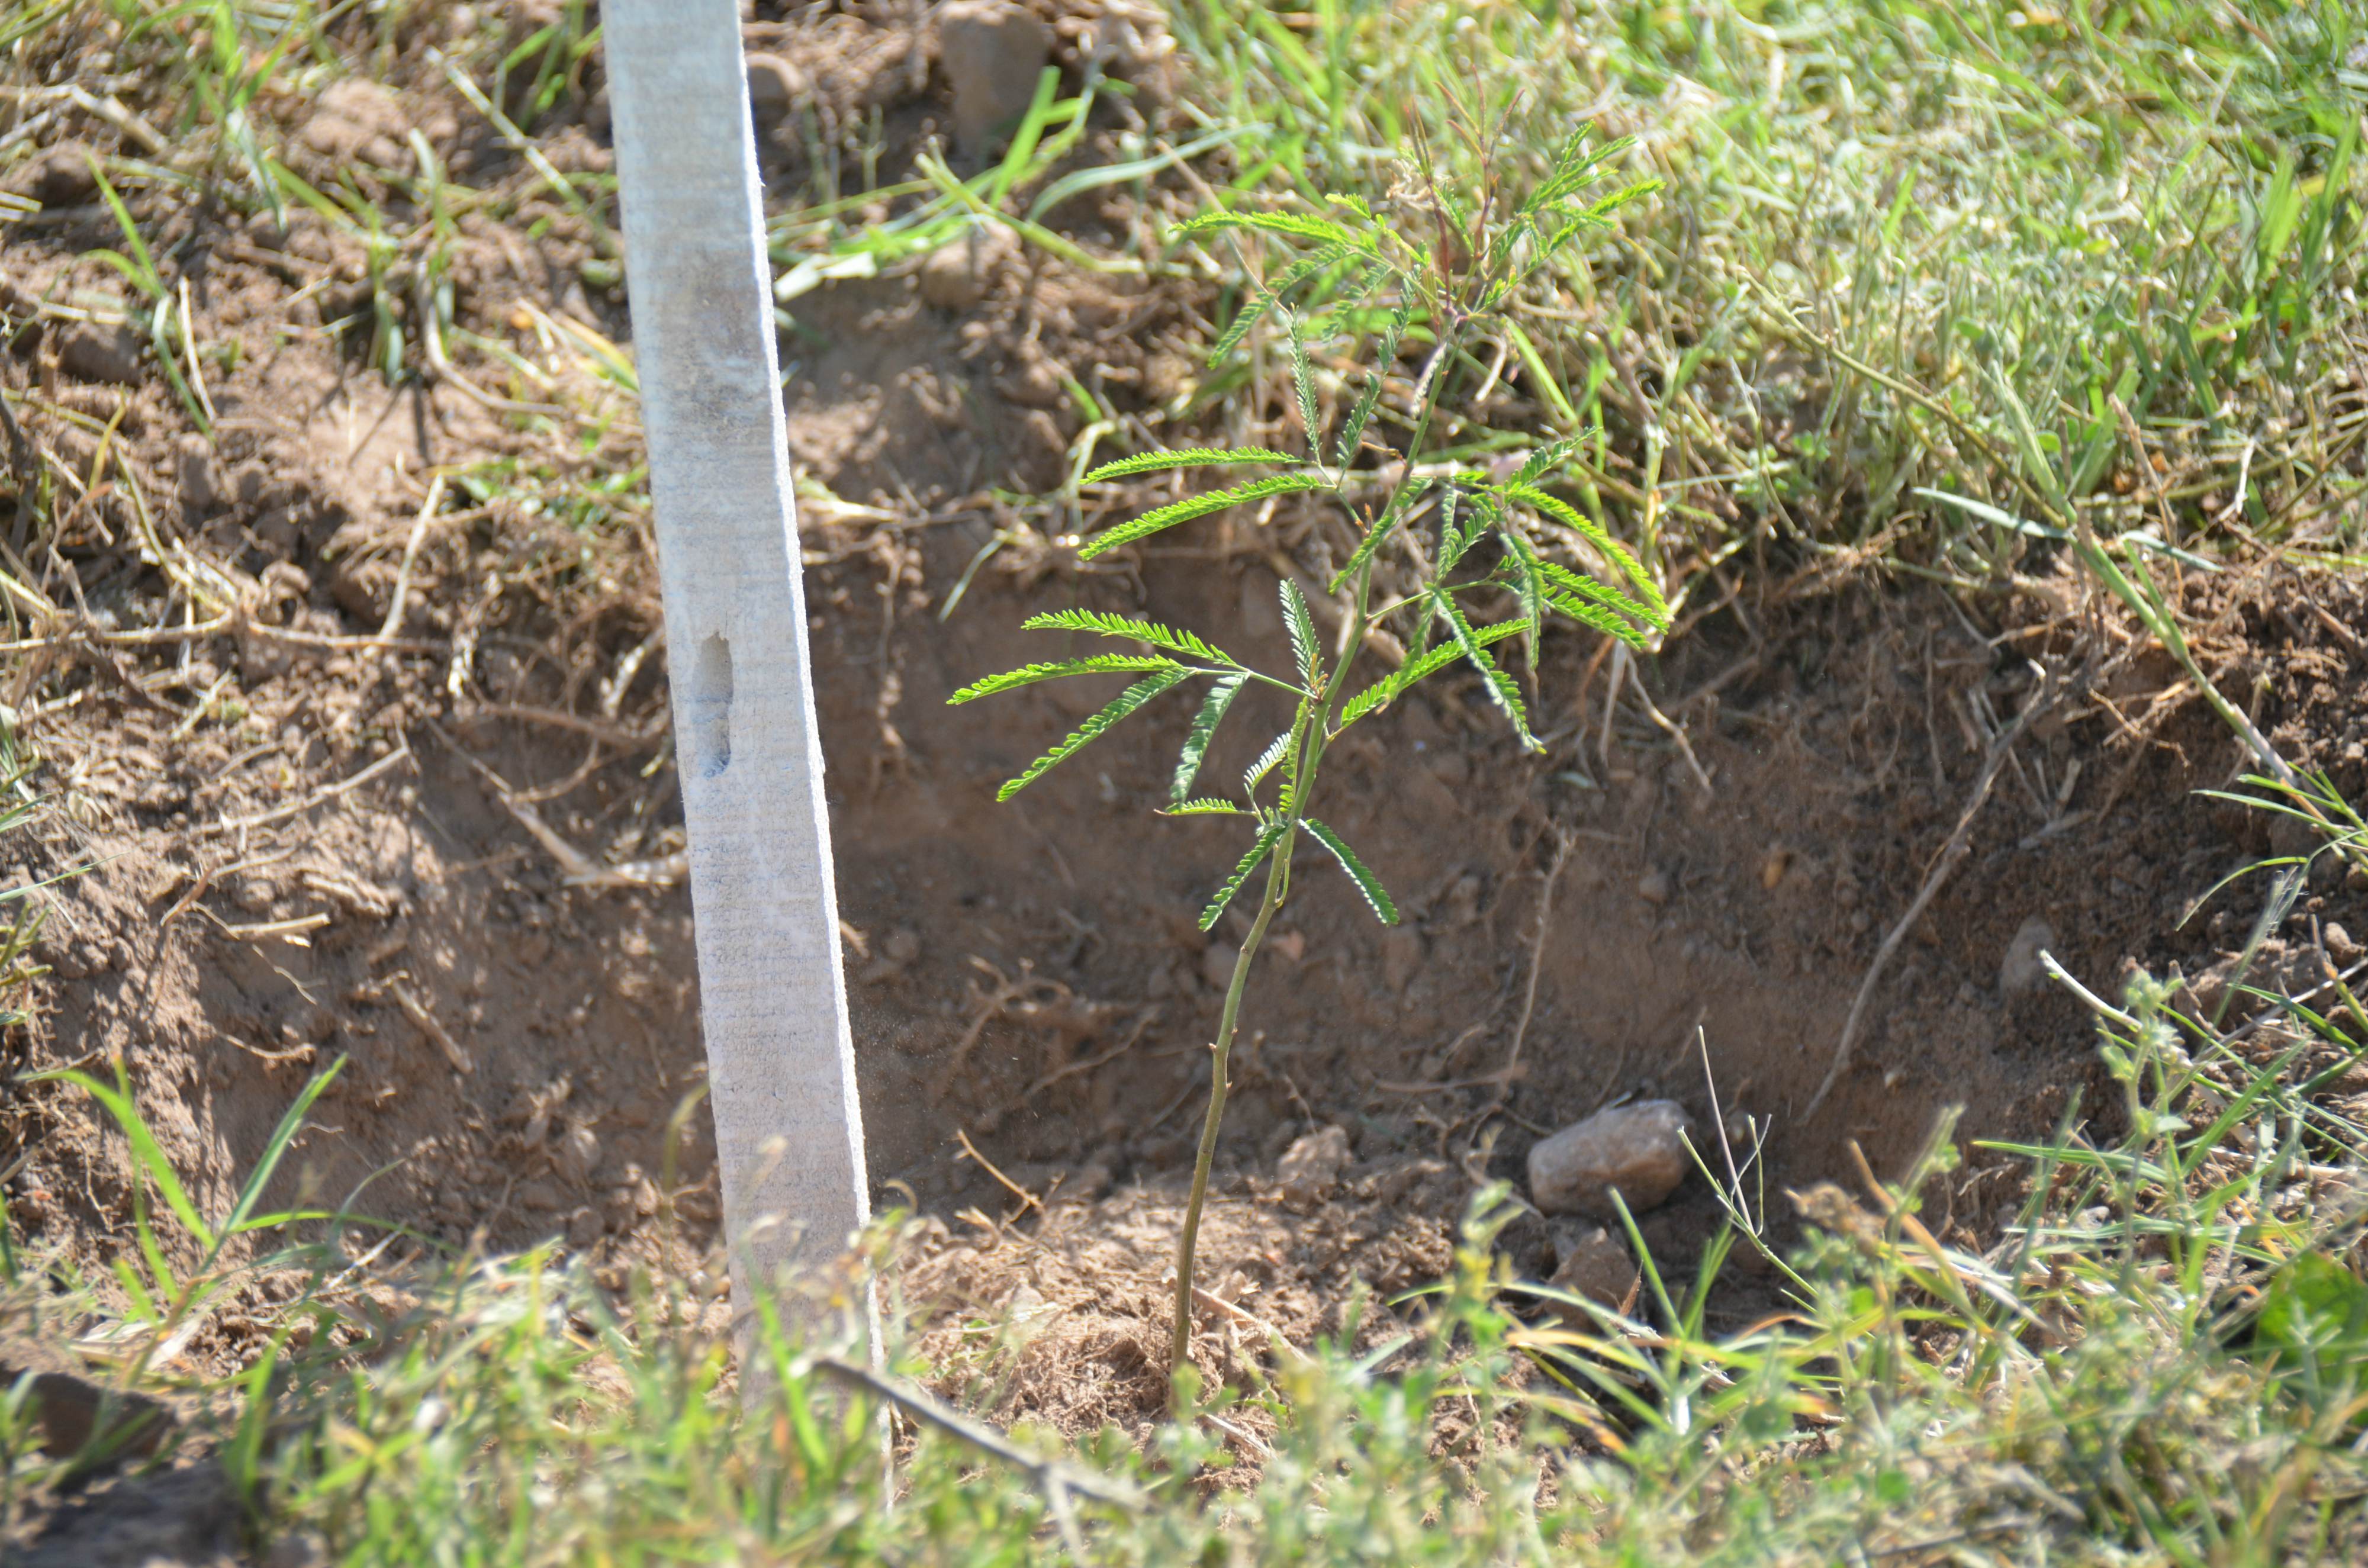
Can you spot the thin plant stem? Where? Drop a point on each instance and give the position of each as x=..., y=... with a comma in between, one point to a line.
x=1314, y=723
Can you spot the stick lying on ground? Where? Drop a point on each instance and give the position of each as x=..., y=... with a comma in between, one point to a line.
x=1951, y=854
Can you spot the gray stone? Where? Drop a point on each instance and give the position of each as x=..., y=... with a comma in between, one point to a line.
x=2021, y=973
x=1311, y=1167
x=1653, y=887
x=992, y=53
x=1639, y=1151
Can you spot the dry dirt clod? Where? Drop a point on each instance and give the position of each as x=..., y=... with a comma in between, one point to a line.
x=1639, y=1151
x=957, y=275
x=1596, y=1265
x=97, y=353
x=776, y=87
x=1653, y=887
x=198, y=473
x=1311, y=1167
x=2340, y=944
x=579, y=1151
x=60, y=175
x=1217, y=960
x=357, y=119
x=69, y=1408
x=992, y=53
x=2021, y=973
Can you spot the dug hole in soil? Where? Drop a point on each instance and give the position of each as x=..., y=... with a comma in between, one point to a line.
x=454, y=860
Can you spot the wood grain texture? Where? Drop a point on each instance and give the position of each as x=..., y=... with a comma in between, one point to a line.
x=773, y=1003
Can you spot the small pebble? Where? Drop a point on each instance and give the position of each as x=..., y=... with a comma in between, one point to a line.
x=1637, y=1150
x=1653, y=887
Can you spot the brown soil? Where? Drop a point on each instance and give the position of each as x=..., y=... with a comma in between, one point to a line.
x=1028, y=974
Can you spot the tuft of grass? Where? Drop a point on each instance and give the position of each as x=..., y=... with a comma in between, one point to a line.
x=1902, y=247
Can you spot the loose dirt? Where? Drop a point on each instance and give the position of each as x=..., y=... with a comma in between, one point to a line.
x=449, y=854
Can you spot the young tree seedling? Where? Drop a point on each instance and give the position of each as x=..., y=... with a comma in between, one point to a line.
x=1479, y=552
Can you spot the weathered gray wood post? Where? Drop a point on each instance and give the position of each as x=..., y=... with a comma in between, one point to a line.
x=780, y=1062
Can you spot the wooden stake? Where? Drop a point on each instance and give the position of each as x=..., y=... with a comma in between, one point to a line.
x=789, y=1133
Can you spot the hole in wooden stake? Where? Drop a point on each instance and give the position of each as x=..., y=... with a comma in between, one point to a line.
x=710, y=707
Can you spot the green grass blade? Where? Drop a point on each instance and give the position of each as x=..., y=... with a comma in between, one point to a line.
x=1084, y=734
x=142, y=272
x=145, y=1154
x=291, y=1121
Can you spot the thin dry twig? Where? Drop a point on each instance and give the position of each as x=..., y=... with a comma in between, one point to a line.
x=1951, y=854
x=577, y=868
x=395, y=759
x=416, y=1011
x=1058, y=1478
x=987, y=1165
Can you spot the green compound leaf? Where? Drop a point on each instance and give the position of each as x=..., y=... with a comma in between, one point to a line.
x=1587, y=528
x=1302, y=382
x=1385, y=690
x=1303, y=630
x=1502, y=689
x=1376, y=895
x=1376, y=536
x=1386, y=357
x=1260, y=848
x=1192, y=507
x=1028, y=674
x=1104, y=624
x=1185, y=457
x=1084, y=734
x=1547, y=459
x=1204, y=730
x=1270, y=298
x=1256, y=773
x=1569, y=584
x=1206, y=806
x=1289, y=225
x=1528, y=582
